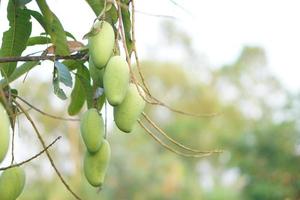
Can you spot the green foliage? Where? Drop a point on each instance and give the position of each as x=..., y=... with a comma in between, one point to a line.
x=18, y=72
x=78, y=95
x=84, y=76
x=54, y=28
x=96, y=5
x=38, y=40
x=15, y=39
x=62, y=76
x=126, y=19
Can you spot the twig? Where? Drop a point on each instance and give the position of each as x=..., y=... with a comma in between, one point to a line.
x=46, y=151
x=44, y=113
x=78, y=56
x=169, y=148
x=174, y=141
x=13, y=147
x=32, y=158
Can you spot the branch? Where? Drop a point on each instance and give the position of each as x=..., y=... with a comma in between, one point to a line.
x=78, y=56
x=33, y=157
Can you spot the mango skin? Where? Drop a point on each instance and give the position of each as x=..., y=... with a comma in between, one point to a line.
x=116, y=80
x=4, y=132
x=101, y=45
x=92, y=130
x=127, y=113
x=12, y=182
x=96, y=74
x=95, y=165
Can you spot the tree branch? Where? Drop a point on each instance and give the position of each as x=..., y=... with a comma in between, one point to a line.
x=78, y=56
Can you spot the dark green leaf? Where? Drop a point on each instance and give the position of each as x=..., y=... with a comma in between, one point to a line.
x=21, y=70
x=100, y=102
x=78, y=94
x=58, y=91
x=96, y=5
x=22, y=3
x=37, y=40
x=127, y=26
x=112, y=15
x=15, y=39
x=85, y=79
x=54, y=28
x=63, y=74
x=70, y=35
x=73, y=64
x=37, y=16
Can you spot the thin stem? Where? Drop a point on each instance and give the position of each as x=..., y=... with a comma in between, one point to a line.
x=78, y=56
x=44, y=113
x=32, y=158
x=170, y=148
x=46, y=151
x=174, y=141
x=13, y=147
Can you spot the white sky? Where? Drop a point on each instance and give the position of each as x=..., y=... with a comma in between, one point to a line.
x=219, y=28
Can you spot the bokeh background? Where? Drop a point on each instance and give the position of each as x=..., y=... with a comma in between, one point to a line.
x=239, y=58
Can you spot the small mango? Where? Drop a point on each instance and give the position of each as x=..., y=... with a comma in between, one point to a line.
x=92, y=130
x=12, y=182
x=127, y=113
x=4, y=132
x=95, y=165
x=116, y=80
x=101, y=44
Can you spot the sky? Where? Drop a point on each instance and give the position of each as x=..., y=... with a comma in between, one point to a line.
x=219, y=29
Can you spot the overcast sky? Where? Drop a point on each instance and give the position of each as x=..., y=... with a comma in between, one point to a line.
x=219, y=28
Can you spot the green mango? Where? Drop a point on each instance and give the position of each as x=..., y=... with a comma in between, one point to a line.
x=95, y=165
x=101, y=43
x=116, y=80
x=12, y=182
x=92, y=130
x=4, y=132
x=127, y=113
x=96, y=74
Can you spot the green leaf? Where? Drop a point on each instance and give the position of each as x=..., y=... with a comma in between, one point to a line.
x=70, y=35
x=112, y=15
x=54, y=28
x=127, y=26
x=37, y=40
x=100, y=102
x=15, y=39
x=85, y=79
x=78, y=94
x=22, y=3
x=38, y=17
x=63, y=74
x=96, y=5
x=58, y=91
x=73, y=64
x=21, y=70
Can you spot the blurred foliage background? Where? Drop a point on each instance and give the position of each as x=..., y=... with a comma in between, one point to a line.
x=258, y=128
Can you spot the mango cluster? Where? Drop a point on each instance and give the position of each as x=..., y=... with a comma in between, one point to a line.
x=111, y=72
x=97, y=156
x=12, y=180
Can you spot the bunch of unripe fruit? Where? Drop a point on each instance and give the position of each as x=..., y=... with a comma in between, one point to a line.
x=110, y=72
x=12, y=180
